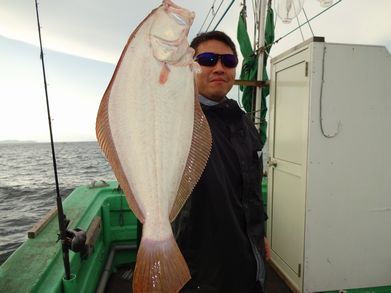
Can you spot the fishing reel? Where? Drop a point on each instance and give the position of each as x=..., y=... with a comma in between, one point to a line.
x=78, y=239
x=75, y=240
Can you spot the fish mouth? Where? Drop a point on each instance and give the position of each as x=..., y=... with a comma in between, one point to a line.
x=181, y=15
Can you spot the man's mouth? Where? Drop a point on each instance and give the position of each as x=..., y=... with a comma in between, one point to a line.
x=217, y=80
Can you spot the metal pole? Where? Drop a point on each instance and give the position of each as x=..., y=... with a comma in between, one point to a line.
x=261, y=43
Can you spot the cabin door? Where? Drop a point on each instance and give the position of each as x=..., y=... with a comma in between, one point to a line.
x=287, y=164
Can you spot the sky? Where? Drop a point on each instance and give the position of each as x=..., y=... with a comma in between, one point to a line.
x=83, y=40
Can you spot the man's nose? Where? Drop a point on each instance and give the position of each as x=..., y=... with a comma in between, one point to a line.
x=219, y=66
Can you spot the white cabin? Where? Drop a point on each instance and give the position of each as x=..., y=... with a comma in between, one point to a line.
x=329, y=173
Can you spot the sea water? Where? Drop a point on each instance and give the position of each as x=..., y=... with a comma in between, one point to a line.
x=27, y=183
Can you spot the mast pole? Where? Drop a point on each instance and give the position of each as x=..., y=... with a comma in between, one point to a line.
x=261, y=43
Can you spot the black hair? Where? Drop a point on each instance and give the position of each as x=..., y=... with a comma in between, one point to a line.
x=213, y=35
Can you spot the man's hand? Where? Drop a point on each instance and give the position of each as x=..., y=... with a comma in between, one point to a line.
x=268, y=253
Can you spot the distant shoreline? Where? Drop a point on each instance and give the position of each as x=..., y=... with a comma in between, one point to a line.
x=16, y=141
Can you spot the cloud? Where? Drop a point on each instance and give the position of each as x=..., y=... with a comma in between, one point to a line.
x=99, y=30
x=81, y=28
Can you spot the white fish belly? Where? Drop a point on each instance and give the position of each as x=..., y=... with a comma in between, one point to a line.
x=152, y=126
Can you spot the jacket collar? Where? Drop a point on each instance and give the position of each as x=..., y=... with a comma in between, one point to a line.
x=207, y=102
x=227, y=109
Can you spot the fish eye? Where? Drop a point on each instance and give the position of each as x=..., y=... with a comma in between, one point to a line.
x=178, y=18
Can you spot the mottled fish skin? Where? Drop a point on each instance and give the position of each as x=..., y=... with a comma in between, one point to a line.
x=156, y=138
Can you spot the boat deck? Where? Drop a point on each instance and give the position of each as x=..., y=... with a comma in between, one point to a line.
x=119, y=281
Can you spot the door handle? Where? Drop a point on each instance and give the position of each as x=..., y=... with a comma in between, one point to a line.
x=272, y=162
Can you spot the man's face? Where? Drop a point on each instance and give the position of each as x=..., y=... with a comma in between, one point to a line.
x=215, y=82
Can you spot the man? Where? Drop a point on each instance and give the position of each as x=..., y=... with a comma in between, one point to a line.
x=220, y=230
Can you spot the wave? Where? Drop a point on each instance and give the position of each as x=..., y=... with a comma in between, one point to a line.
x=27, y=186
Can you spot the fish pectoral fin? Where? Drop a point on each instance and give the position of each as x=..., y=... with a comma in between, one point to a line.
x=164, y=73
x=160, y=267
x=195, y=67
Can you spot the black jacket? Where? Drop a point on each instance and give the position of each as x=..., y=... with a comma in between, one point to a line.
x=220, y=230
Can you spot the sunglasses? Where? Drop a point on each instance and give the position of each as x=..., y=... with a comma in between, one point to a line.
x=210, y=59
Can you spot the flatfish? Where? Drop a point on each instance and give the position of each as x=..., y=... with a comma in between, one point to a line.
x=156, y=138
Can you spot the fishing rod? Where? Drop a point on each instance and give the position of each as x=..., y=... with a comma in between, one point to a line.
x=70, y=239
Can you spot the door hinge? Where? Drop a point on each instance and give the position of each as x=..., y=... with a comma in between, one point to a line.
x=306, y=69
x=299, y=270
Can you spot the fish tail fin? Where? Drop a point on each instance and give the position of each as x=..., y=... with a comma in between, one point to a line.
x=160, y=267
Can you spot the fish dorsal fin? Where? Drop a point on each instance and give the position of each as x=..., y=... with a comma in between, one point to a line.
x=200, y=148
